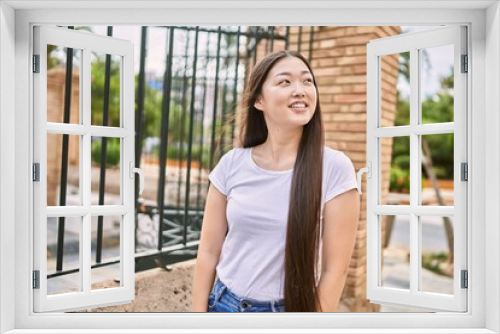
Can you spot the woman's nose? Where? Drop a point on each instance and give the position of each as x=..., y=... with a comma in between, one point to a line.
x=298, y=90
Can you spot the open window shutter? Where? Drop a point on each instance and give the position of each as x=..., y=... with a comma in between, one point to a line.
x=75, y=282
x=415, y=296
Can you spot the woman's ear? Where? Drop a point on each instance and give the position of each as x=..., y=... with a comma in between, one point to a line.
x=258, y=104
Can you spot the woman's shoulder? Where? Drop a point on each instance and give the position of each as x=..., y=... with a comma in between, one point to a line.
x=236, y=153
x=330, y=153
x=335, y=158
x=234, y=156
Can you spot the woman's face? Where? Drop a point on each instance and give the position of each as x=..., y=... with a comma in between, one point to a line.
x=288, y=97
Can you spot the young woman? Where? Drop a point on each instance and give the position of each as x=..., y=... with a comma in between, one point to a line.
x=281, y=213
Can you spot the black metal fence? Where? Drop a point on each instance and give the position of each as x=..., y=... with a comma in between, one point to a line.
x=179, y=116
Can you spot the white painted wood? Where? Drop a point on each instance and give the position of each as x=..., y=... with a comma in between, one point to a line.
x=7, y=166
x=86, y=185
x=415, y=169
x=469, y=322
x=433, y=129
x=430, y=210
x=490, y=160
x=109, y=210
x=101, y=131
x=441, y=211
x=97, y=131
x=40, y=156
x=460, y=155
x=79, y=39
x=66, y=211
x=372, y=149
x=70, y=129
x=414, y=298
x=86, y=298
x=127, y=235
x=422, y=129
x=247, y=4
x=391, y=209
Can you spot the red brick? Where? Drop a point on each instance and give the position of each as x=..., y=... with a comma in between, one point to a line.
x=351, y=79
x=327, y=43
x=345, y=126
x=355, y=40
x=325, y=90
x=360, y=88
x=336, y=52
x=327, y=71
x=330, y=33
x=351, y=60
x=349, y=117
x=347, y=146
x=350, y=98
x=359, y=69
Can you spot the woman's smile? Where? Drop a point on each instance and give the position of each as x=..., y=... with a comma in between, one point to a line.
x=299, y=106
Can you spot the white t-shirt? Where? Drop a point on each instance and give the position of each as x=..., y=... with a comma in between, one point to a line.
x=252, y=257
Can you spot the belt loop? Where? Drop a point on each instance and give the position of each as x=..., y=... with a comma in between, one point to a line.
x=272, y=306
x=221, y=291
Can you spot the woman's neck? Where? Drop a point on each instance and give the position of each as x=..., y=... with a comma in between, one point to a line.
x=280, y=149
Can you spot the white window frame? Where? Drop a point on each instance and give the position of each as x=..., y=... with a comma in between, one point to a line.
x=414, y=43
x=484, y=103
x=86, y=43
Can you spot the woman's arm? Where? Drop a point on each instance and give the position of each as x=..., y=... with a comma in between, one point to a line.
x=213, y=232
x=340, y=223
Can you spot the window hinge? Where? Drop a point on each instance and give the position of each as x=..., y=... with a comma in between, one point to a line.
x=464, y=172
x=36, y=279
x=465, y=64
x=465, y=279
x=36, y=172
x=36, y=63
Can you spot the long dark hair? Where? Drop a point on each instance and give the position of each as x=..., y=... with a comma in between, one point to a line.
x=303, y=228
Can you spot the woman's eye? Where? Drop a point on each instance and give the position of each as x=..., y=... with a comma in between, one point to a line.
x=309, y=80
x=284, y=81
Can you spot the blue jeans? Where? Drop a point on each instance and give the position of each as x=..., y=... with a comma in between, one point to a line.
x=223, y=300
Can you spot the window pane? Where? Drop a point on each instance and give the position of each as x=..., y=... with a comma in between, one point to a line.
x=395, y=89
x=438, y=170
x=63, y=241
x=63, y=188
x=436, y=84
x=108, y=173
x=437, y=245
x=395, y=168
x=395, y=241
x=105, y=99
x=106, y=248
x=58, y=84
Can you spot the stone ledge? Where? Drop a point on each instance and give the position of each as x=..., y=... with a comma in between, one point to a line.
x=156, y=290
x=159, y=290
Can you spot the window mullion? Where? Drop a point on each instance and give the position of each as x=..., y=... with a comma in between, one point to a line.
x=85, y=235
x=414, y=168
x=108, y=210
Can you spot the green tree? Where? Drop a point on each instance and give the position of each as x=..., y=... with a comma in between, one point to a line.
x=437, y=109
x=98, y=67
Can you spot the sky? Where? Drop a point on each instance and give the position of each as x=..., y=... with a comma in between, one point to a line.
x=440, y=58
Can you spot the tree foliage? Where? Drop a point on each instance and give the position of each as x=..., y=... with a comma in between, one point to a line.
x=435, y=109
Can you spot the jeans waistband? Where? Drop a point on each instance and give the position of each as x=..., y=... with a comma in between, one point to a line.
x=220, y=289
